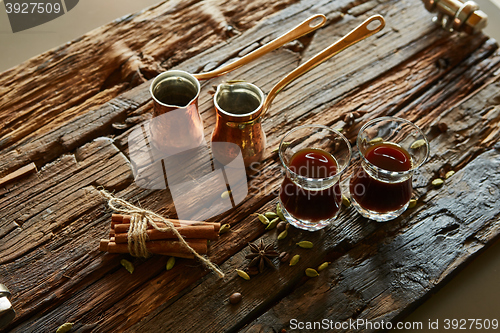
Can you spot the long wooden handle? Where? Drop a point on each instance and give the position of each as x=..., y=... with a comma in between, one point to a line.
x=359, y=33
x=309, y=25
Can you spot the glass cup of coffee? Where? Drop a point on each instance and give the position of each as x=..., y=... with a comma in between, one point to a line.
x=391, y=150
x=314, y=158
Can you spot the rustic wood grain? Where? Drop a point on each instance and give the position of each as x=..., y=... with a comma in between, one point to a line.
x=57, y=87
x=401, y=261
x=50, y=225
x=354, y=240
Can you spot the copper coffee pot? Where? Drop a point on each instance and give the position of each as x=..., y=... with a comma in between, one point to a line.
x=177, y=124
x=241, y=106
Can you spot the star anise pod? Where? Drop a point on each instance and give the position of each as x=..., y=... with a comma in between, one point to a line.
x=261, y=255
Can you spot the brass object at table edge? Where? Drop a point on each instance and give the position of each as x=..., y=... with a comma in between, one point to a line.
x=455, y=15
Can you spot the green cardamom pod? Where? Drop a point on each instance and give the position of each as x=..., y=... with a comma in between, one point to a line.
x=271, y=215
x=224, y=228
x=417, y=144
x=263, y=219
x=283, y=235
x=376, y=140
x=305, y=244
x=345, y=201
x=128, y=265
x=273, y=224
x=311, y=272
x=449, y=174
x=170, y=263
x=413, y=203
x=437, y=182
x=295, y=259
x=243, y=274
x=279, y=212
x=323, y=266
x=225, y=194
x=65, y=328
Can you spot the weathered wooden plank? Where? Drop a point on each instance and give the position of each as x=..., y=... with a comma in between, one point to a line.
x=349, y=230
x=51, y=235
x=404, y=260
x=430, y=62
x=62, y=177
x=264, y=290
x=112, y=299
x=56, y=88
x=57, y=197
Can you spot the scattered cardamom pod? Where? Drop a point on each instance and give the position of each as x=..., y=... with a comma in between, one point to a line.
x=283, y=234
x=128, y=265
x=284, y=256
x=437, y=182
x=345, y=201
x=443, y=127
x=271, y=215
x=279, y=212
x=273, y=224
x=243, y=274
x=376, y=140
x=170, y=263
x=323, y=266
x=263, y=219
x=417, y=144
x=295, y=259
x=225, y=194
x=235, y=298
x=65, y=328
x=340, y=129
x=311, y=272
x=286, y=143
x=281, y=226
x=449, y=174
x=413, y=203
x=224, y=228
x=305, y=244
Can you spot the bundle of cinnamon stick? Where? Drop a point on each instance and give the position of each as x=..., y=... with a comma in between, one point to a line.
x=196, y=233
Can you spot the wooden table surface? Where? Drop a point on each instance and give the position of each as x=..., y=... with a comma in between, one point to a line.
x=71, y=109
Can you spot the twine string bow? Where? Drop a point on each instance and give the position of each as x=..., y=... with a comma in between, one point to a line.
x=139, y=223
